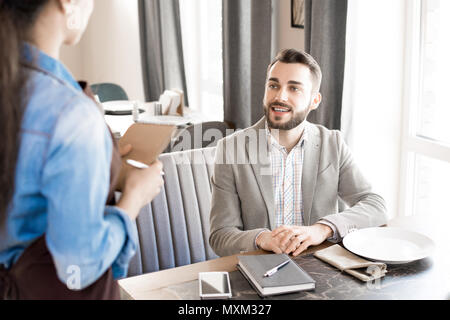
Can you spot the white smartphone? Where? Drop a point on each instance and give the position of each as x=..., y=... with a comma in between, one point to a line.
x=214, y=285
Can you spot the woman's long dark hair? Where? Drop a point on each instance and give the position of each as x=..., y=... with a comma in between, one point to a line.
x=16, y=18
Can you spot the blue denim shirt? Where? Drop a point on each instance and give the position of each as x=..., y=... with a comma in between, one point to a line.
x=62, y=181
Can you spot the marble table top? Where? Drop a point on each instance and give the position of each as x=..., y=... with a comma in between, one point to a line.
x=422, y=279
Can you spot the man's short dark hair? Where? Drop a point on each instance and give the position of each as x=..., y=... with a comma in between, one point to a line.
x=295, y=56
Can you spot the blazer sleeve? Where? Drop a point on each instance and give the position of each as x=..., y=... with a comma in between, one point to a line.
x=366, y=208
x=227, y=234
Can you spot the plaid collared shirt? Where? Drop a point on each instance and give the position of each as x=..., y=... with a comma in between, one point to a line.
x=287, y=175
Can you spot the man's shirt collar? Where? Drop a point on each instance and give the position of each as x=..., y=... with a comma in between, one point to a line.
x=272, y=141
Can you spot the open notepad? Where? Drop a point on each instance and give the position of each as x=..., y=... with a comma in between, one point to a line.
x=290, y=278
x=148, y=141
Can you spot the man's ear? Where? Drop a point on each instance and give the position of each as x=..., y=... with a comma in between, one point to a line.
x=315, y=101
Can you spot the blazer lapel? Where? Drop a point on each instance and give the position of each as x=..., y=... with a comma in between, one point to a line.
x=310, y=169
x=263, y=171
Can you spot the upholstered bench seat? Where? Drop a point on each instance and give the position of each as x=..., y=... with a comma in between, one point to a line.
x=174, y=228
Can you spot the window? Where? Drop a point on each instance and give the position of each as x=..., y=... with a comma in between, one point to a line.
x=425, y=181
x=434, y=110
x=201, y=27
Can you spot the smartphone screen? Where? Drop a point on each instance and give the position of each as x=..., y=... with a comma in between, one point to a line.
x=214, y=283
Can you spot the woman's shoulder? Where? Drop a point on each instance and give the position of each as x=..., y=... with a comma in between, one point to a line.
x=50, y=100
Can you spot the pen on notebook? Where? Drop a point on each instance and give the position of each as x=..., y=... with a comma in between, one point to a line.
x=139, y=165
x=275, y=269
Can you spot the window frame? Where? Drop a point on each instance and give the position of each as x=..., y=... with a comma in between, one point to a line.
x=413, y=144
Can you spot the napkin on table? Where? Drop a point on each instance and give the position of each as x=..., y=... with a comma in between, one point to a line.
x=356, y=266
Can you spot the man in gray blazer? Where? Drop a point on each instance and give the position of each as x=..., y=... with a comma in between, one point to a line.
x=276, y=185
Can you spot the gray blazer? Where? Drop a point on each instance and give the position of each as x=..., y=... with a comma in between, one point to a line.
x=242, y=193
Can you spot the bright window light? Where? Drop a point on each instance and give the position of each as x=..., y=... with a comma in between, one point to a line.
x=426, y=179
x=434, y=109
x=201, y=27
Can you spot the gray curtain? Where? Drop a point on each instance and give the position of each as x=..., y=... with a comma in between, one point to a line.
x=161, y=48
x=246, y=55
x=325, y=29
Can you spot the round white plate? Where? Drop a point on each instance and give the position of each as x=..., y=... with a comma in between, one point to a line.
x=172, y=120
x=389, y=245
x=118, y=105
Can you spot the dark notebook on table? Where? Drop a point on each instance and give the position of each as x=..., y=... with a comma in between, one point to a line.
x=290, y=278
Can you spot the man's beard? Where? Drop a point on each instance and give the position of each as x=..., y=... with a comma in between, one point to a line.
x=295, y=121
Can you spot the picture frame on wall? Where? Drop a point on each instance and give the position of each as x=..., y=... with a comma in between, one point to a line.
x=298, y=14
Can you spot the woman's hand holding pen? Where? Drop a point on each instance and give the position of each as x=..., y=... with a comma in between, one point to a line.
x=141, y=186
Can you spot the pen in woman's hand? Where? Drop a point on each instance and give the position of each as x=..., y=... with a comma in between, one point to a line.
x=139, y=165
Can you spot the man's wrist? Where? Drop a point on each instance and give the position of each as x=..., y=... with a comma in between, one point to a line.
x=327, y=231
x=258, y=239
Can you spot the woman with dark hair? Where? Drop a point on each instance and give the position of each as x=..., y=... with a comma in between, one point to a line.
x=61, y=234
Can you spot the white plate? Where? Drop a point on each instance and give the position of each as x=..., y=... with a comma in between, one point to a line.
x=389, y=245
x=118, y=105
x=172, y=120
